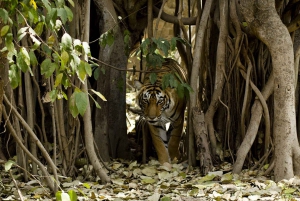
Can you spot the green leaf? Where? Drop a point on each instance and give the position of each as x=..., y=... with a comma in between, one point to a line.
x=21, y=63
x=9, y=42
x=73, y=195
x=289, y=190
x=44, y=66
x=8, y=165
x=86, y=185
x=96, y=103
x=65, y=57
x=39, y=28
x=47, y=68
x=99, y=94
x=81, y=101
x=69, y=13
x=58, y=79
x=14, y=76
x=180, y=91
x=58, y=196
x=88, y=69
x=71, y=2
x=4, y=15
x=165, y=198
x=51, y=40
x=153, y=78
x=81, y=73
x=65, y=81
x=66, y=41
x=25, y=55
x=110, y=38
x=47, y=5
x=96, y=73
x=53, y=95
x=33, y=59
x=72, y=105
x=62, y=13
x=163, y=45
x=4, y=30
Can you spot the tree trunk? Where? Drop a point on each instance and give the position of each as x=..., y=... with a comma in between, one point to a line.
x=110, y=120
x=264, y=21
x=194, y=76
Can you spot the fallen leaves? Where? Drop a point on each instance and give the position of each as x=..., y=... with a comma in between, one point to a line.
x=153, y=182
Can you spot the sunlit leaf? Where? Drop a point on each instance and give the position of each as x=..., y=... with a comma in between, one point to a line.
x=73, y=195
x=86, y=185
x=33, y=4
x=8, y=165
x=51, y=40
x=36, y=42
x=66, y=41
x=65, y=56
x=25, y=55
x=99, y=94
x=289, y=190
x=58, y=79
x=81, y=73
x=65, y=197
x=4, y=30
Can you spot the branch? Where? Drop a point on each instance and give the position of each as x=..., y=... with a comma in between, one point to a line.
x=172, y=19
x=38, y=143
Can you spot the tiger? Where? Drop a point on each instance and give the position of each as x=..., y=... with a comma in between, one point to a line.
x=161, y=106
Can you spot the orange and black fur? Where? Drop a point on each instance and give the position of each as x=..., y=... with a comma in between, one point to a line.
x=160, y=106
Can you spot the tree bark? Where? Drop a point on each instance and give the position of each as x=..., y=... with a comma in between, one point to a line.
x=198, y=59
x=262, y=18
x=220, y=78
x=87, y=117
x=110, y=120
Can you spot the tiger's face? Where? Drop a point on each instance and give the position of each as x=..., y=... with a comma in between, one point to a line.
x=153, y=101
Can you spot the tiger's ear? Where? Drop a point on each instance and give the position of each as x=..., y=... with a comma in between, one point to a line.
x=137, y=84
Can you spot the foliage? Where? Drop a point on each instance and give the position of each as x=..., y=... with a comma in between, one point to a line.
x=155, y=50
x=40, y=24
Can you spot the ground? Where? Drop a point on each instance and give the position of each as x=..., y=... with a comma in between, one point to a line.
x=134, y=181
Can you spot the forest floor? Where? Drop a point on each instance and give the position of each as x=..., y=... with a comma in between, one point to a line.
x=153, y=182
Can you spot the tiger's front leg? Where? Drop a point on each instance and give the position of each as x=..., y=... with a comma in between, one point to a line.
x=175, y=137
x=159, y=137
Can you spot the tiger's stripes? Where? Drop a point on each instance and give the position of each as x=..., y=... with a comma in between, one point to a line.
x=160, y=107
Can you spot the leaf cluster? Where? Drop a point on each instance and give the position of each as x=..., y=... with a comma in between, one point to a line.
x=155, y=50
x=39, y=43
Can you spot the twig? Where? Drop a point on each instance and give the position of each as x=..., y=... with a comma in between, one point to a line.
x=15, y=182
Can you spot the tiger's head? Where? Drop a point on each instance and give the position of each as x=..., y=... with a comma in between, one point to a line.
x=153, y=101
